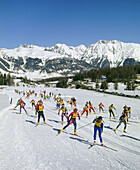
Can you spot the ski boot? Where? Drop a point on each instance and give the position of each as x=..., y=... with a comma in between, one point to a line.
x=60, y=131
x=115, y=130
x=103, y=111
x=37, y=123
x=45, y=122
x=114, y=117
x=124, y=131
x=128, y=123
x=102, y=144
x=95, y=113
x=90, y=113
x=94, y=142
x=75, y=133
x=62, y=122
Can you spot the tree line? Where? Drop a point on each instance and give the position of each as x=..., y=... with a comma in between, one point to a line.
x=120, y=74
x=6, y=79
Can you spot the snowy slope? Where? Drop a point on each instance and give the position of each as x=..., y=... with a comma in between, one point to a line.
x=24, y=146
x=63, y=60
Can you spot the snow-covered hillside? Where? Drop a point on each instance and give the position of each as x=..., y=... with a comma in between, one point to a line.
x=24, y=146
x=63, y=60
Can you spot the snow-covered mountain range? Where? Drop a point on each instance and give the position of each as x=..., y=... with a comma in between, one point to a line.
x=63, y=60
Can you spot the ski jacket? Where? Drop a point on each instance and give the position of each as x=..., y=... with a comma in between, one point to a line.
x=98, y=124
x=101, y=105
x=111, y=107
x=39, y=108
x=73, y=115
x=64, y=110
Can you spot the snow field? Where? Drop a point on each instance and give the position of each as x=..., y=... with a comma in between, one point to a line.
x=24, y=146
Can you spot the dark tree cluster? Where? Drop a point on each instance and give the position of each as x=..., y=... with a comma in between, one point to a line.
x=63, y=83
x=123, y=73
x=6, y=79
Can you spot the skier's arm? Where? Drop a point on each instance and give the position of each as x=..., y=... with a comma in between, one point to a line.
x=102, y=127
x=37, y=108
x=94, y=120
x=59, y=110
x=70, y=115
x=78, y=115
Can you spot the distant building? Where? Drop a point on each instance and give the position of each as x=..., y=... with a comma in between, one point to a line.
x=103, y=78
x=51, y=84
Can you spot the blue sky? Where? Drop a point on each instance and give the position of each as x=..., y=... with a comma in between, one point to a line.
x=73, y=22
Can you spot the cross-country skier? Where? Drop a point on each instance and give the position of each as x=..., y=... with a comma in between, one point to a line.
x=98, y=127
x=123, y=119
x=64, y=113
x=129, y=114
x=111, y=107
x=101, y=108
x=22, y=106
x=33, y=103
x=72, y=119
x=85, y=109
x=91, y=108
x=17, y=104
x=39, y=110
x=58, y=105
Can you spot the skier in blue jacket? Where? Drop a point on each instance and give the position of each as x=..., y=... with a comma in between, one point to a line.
x=98, y=127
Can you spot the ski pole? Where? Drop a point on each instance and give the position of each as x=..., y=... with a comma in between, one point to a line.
x=84, y=126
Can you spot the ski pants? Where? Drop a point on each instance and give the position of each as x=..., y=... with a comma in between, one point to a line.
x=58, y=106
x=111, y=112
x=84, y=112
x=100, y=132
x=91, y=108
x=64, y=114
x=120, y=122
x=40, y=113
x=101, y=108
x=22, y=107
x=33, y=104
x=70, y=122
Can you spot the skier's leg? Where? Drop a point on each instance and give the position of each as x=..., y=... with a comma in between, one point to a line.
x=67, y=125
x=110, y=113
x=113, y=113
x=43, y=116
x=62, y=117
x=95, y=132
x=38, y=117
x=124, y=124
x=89, y=110
x=120, y=122
x=74, y=123
x=100, y=134
x=86, y=113
x=93, y=109
x=83, y=112
x=102, y=109
x=25, y=110
x=20, y=109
